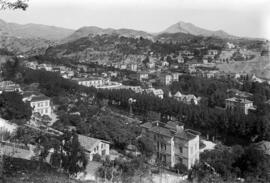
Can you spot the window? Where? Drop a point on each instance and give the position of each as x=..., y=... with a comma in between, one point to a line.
x=46, y=111
x=191, y=150
x=181, y=149
x=180, y=160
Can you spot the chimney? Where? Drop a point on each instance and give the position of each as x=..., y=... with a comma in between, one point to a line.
x=179, y=128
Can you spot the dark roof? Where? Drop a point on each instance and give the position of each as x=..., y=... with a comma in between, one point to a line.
x=30, y=93
x=39, y=98
x=169, y=129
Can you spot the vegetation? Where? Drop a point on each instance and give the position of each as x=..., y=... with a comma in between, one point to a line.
x=18, y=4
x=231, y=163
x=13, y=108
x=22, y=171
x=68, y=155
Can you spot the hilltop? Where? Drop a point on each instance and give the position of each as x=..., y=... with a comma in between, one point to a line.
x=189, y=28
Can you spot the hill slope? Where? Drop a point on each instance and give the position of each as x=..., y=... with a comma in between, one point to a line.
x=189, y=28
x=33, y=31
x=93, y=30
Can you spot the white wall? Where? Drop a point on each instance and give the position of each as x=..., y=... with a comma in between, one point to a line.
x=5, y=125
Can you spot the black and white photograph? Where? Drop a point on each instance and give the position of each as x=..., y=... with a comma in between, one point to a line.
x=134, y=91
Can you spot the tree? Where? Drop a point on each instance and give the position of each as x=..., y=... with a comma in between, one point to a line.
x=180, y=168
x=69, y=156
x=13, y=108
x=96, y=157
x=14, y=5
x=146, y=146
x=46, y=120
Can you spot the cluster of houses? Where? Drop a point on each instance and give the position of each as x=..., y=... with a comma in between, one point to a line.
x=43, y=105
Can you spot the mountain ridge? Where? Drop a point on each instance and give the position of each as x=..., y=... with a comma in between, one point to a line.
x=34, y=31
x=189, y=28
x=94, y=30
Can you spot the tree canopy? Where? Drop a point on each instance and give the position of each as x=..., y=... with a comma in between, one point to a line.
x=13, y=4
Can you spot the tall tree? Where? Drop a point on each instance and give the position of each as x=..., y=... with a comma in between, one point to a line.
x=69, y=156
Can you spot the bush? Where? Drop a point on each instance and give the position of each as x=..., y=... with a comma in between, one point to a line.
x=180, y=168
x=97, y=157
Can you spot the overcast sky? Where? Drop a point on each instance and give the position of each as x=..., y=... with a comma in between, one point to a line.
x=239, y=17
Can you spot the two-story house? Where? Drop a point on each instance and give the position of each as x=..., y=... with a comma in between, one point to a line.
x=239, y=104
x=166, y=78
x=173, y=144
x=40, y=103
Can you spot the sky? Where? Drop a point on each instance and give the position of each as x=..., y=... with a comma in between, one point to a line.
x=249, y=18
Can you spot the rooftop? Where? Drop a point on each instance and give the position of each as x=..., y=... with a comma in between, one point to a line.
x=239, y=100
x=170, y=129
x=89, y=142
x=39, y=98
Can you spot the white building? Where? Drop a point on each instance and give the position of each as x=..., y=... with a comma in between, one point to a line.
x=40, y=103
x=243, y=105
x=88, y=82
x=166, y=79
x=187, y=99
x=173, y=144
x=94, y=146
x=157, y=92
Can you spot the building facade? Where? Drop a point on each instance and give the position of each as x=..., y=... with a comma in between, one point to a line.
x=41, y=105
x=94, y=146
x=166, y=79
x=239, y=104
x=88, y=82
x=173, y=144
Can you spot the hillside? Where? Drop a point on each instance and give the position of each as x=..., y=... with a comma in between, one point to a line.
x=92, y=30
x=33, y=31
x=106, y=48
x=23, y=45
x=189, y=28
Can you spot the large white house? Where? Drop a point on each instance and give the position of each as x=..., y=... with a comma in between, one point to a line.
x=173, y=144
x=88, y=82
x=40, y=103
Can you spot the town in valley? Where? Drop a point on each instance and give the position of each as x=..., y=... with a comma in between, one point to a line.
x=186, y=104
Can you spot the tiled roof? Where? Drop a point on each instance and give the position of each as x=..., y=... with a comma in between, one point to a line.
x=88, y=142
x=39, y=98
x=30, y=93
x=240, y=100
x=169, y=129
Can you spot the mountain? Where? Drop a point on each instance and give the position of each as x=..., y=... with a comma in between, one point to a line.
x=24, y=46
x=33, y=31
x=189, y=28
x=93, y=30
